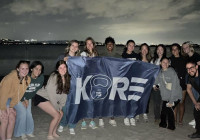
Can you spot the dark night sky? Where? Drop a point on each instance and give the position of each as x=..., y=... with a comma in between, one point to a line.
x=150, y=21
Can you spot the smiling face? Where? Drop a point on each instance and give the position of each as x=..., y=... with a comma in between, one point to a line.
x=130, y=47
x=186, y=48
x=89, y=45
x=192, y=69
x=73, y=48
x=62, y=69
x=144, y=50
x=164, y=64
x=160, y=51
x=110, y=46
x=23, y=70
x=175, y=51
x=36, y=71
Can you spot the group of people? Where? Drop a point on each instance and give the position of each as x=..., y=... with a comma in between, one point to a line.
x=179, y=75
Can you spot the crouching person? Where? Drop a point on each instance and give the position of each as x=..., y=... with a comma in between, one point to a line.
x=12, y=88
x=53, y=96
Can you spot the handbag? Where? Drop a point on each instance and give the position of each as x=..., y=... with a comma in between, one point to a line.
x=167, y=85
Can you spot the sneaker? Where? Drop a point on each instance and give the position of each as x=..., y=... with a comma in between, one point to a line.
x=194, y=126
x=92, y=125
x=126, y=122
x=31, y=135
x=23, y=137
x=83, y=125
x=132, y=121
x=192, y=122
x=145, y=117
x=112, y=122
x=60, y=128
x=101, y=123
x=137, y=118
x=71, y=131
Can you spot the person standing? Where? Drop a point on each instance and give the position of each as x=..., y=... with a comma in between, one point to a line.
x=12, y=88
x=178, y=62
x=171, y=93
x=129, y=53
x=193, y=81
x=145, y=56
x=89, y=51
x=71, y=51
x=109, y=51
x=24, y=125
x=159, y=53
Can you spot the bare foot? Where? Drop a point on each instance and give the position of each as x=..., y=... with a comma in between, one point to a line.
x=50, y=137
x=56, y=135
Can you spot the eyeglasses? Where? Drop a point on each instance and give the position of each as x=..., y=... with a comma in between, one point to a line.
x=188, y=69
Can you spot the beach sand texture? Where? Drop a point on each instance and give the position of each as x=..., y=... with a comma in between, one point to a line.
x=142, y=130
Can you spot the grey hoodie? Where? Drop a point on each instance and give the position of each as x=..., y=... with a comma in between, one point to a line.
x=170, y=76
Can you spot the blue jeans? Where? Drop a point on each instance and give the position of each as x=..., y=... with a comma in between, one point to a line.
x=24, y=121
x=63, y=121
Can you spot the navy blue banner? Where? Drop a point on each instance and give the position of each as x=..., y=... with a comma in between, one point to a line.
x=105, y=87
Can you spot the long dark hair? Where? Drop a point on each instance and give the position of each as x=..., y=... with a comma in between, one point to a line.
x=17, y=66
x=67, y=49
x=126, y=47
x=62, y=87
x=148, y=54
x=155, y=52
x=35, y=63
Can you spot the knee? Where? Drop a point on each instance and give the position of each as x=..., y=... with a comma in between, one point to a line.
x=57, y=116
x=12, y=117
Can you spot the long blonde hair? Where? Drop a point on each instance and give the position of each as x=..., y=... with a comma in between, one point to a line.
x=77, y=53
x=94, y=51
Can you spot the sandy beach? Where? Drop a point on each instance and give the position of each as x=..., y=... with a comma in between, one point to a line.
x=142, y=130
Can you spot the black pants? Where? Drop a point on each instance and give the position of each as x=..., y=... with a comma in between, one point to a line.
x=157, y=103
x=197, y=118
x=167, y=114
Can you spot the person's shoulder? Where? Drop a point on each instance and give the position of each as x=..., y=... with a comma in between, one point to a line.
x=83, y=53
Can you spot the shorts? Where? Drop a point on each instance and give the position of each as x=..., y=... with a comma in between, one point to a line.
x=38, y=99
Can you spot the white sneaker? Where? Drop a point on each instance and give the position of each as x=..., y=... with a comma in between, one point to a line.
x=30, y=135
x=192, y=122
x=145, y=117
x=137, y=118
x=71, y=131
x=112, y=122
x=23, y=137
x=60, y=128
x=194, y=126
x=126, y=122
x=132, y=121
x=101, y=123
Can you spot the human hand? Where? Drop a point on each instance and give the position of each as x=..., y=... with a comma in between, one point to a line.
x=3, y=114
x=65, y=58
x=12, y=111
x=197, y=106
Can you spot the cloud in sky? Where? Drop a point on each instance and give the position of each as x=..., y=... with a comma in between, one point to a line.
x=125, y=18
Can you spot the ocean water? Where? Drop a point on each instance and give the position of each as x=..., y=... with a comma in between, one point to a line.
x=47, y=54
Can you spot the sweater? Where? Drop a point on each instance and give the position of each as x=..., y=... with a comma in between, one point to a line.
x=10, y=87
x=34, y=86
x=49, y=92
x=170, y=76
